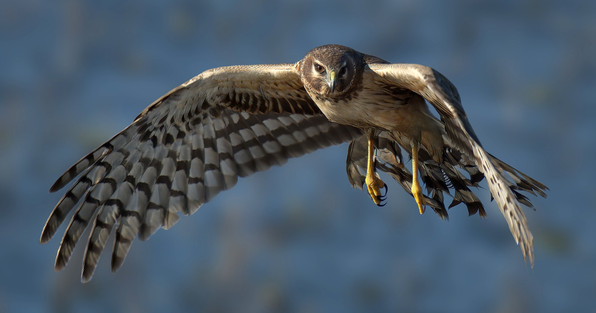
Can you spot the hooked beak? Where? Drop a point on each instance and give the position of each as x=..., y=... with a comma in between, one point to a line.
x=331, y=80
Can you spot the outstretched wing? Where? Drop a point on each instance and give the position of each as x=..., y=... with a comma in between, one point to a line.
x=184, y=149
x=439, y=91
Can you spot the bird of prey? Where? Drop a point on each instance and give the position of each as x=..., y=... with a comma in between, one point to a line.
x=230, y=122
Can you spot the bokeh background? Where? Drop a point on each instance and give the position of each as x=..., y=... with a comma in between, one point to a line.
x=298, y=238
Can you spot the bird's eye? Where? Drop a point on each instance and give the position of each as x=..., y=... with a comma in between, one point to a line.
x=319, y=68
x=343, y=71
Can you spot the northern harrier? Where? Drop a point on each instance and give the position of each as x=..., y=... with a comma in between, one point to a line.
x=231, y=122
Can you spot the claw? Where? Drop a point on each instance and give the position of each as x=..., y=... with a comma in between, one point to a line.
x=417, y=193
x=383, y=197
x=382, y=201
x=374, y=191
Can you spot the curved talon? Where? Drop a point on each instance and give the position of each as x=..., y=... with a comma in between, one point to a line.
x=386, y=189
x=380, y=201
x=374, y=191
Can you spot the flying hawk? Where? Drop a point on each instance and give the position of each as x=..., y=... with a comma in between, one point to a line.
x=231, y=122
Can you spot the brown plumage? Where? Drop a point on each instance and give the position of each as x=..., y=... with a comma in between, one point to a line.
x=231, y=122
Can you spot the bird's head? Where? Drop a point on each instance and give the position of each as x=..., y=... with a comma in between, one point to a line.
x=331, y=71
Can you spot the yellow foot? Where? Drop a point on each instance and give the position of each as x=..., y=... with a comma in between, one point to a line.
x=373, y=184
x=417, y=192
x=416, y=189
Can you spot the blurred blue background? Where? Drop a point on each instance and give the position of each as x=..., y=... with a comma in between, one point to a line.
x=298, y=238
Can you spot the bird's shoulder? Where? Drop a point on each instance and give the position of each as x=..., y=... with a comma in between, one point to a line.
x=371, y=59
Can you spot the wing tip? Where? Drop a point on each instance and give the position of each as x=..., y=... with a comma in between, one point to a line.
x=61, y=262
x=58, y=184
x=87, y=272
x=116, y=262
x=45, y=237
x=48, y=232
x=528, y=254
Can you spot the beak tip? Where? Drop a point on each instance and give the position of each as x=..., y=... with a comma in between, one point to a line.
x=331, y=86
x=331, y=81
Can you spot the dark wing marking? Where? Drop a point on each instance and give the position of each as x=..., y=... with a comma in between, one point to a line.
x=441, y=93
x=184, y=149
